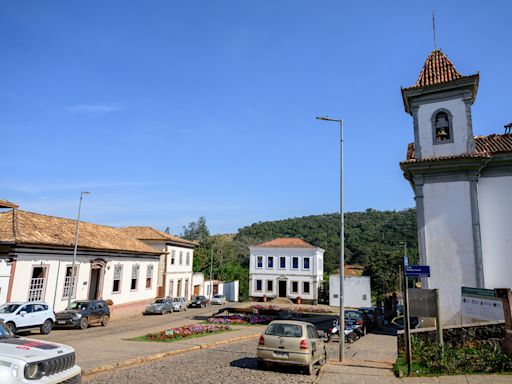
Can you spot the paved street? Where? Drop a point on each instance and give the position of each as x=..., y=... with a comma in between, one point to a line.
x=99, y=345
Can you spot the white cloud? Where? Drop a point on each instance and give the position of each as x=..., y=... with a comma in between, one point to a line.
x=94, y=109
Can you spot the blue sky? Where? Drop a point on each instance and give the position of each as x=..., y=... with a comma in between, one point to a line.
x=168, y=110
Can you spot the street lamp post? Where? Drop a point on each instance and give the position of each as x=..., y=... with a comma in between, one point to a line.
x=77, y=232
x=342, y=244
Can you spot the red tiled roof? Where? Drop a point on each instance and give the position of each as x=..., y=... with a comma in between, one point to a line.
x=437, y=69
x=485, y=146
x=29, y=228
x=285, y=243
x=7, y=204
x=148, y=233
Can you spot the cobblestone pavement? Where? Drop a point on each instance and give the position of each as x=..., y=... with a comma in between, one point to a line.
x=230, y=363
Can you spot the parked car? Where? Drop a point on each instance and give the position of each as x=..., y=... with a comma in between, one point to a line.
x=35, y=361
x=161, y=306
x=218, y=299
x=354, y=317
x=370, y=315
x=178, y=303
x=199, y=301
x=27, y=316
x=398, y=322
x=82, y=313
x=291, y=342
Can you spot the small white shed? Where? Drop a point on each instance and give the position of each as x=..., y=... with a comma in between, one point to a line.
x=357, y=291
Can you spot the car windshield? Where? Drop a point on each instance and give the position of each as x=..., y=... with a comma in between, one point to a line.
x=78, y=305
x=158, y=301
x=352, y=315
x=4, y=332
x=286, y=330
x=9, y=308
x=175, y=299
x=200, y=298
x=217, y=296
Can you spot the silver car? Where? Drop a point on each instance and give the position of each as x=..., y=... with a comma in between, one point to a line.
x=159, y=306
x=218, y=299
x=291, y=342
x=178, y=304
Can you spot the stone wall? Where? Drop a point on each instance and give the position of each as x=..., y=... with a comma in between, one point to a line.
x=465, y=335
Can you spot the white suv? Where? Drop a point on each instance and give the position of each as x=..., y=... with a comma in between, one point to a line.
x=33, y=361
x=26, y=316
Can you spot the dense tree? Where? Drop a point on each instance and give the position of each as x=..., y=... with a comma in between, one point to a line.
x=372, y=239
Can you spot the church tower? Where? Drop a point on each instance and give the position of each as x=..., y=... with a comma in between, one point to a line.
x=443, y=167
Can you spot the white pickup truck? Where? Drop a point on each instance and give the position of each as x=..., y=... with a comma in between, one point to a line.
x=34, y=361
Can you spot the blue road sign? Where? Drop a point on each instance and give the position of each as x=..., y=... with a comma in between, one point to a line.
x=406, y=261
x=417, y=271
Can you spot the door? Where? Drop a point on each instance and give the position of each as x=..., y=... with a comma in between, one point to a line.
x=27, y=318
x=282, y=288
x=93, y=288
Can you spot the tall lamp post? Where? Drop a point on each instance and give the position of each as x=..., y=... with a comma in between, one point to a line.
x=342, y=243
x=71, y=288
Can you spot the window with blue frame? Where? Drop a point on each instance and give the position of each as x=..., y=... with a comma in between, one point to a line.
x=270, y=262
x=295, y=262
x=282, y=262
x=259, y=262
x=306, y=263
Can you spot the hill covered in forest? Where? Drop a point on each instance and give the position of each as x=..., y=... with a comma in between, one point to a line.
x=372, y=239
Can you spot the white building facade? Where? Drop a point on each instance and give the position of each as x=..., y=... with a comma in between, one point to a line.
x=176, y=262
x=357, y=291
x=38, y=250
x=462, y=185
x=288, y=268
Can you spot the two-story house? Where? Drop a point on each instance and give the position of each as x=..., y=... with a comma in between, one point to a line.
x=285, y=267
x=175, y=268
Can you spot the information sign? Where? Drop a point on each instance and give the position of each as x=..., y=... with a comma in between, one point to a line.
x=417, y=271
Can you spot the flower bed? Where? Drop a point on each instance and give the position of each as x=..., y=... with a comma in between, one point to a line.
x=240, y=319
x=260, y=309
x=190, y=330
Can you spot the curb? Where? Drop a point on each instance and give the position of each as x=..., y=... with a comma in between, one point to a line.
x=162, y=355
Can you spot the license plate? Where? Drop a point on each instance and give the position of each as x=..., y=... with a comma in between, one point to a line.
x=61, y=322
x=281, y=354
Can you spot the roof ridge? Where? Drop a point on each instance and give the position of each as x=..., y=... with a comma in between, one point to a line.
x=67, y=219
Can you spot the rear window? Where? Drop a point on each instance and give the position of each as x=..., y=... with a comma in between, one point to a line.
x=286, y=330
x=352, y=315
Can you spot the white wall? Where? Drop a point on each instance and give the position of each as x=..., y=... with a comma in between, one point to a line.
x=56, y=274
x=357, y=291
x=449, y=241
x=459, y=124
x=5, y=274
x=495, y=207
x=313, y=275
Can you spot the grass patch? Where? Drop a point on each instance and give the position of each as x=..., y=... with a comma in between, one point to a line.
x=429, y=359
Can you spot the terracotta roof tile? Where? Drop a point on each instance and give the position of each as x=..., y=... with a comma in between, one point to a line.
x=485, y=146
x=35, y=229
x=437, y=69
x=7, y=204
x=285, y=243
x=149, y=233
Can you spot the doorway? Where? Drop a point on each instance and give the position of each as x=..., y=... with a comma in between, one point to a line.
x=282, y=288
x=96, y=279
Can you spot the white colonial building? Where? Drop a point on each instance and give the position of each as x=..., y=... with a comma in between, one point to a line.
x=462, y=185
x=285, y=267
x=175, y=269
x=37, y=251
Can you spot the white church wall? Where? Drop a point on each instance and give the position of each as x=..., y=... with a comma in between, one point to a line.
x=449, y=242
x=495, y=207
x=459, y=123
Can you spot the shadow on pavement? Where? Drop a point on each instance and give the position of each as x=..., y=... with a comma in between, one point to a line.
x=251, y=363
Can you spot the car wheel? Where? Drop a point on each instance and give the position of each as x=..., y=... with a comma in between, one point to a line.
x=162, y=311
x=185, y=308
x=12, y=327
x=84, y=323
x=309, y=368
x=46, y=327
x=104, y=320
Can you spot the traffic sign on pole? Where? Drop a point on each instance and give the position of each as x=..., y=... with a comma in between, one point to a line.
x=417, y=271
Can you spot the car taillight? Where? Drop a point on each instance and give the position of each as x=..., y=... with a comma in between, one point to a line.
x=359, y=322
x=261, y=341
x=304, y=344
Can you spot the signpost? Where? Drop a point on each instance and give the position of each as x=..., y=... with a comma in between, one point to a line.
x=482, y=304
x=417, y=271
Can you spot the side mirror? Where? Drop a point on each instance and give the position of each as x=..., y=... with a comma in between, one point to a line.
x=22, y=313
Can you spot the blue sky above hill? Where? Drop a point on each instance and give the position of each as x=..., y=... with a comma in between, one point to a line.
x=169, y=110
